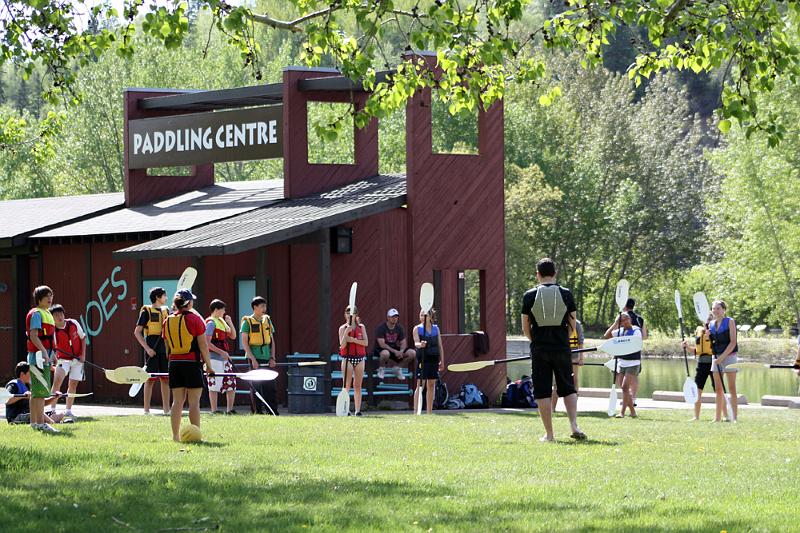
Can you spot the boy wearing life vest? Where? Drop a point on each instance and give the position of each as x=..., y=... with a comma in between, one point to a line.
x=148, y=335
x=702, y=348
x=184, y=332
x=70, y=346
x=258, y=340
x=40, y=328
x=219, y=330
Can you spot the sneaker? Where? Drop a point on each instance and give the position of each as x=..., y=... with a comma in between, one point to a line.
x=68, y=414
x=68, y=420
x=47, y=428
x=381, y=372
x=231, y=412
x=358, y=413
x=217, y=412
x=398, y=373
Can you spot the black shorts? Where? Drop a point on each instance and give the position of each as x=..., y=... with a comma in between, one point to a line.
x=548, y=364
x=703, y=371
x=185, y=374
x=159, y=362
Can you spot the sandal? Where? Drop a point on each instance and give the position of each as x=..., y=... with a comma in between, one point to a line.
x=578, y=435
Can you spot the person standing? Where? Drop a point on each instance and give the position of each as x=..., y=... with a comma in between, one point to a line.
x=722, y=330
x=576, y=340
x=184, y=333
x=548, y=315
x=70, y=346
x=628, y=365
x=40, y=328
x=428, y=342
x=353, y=344
x=258, y=341
x=219, y=329
x=702, y=349
x=148, y=335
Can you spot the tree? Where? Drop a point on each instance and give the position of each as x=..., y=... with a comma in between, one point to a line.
x=480, y=44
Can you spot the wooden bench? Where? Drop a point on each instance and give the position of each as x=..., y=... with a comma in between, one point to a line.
x=373, y=390
x=675, y=396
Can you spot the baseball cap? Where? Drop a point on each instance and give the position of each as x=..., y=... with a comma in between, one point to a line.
x=392, y=312
x=185, y=294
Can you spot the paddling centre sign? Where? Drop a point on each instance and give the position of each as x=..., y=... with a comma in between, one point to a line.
x=201, y=138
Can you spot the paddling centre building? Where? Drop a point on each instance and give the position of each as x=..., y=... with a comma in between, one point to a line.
x=300, y=242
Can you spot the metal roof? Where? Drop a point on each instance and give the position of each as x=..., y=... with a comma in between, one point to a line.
x=19, y=218
x=280, y=221
x=178, y=213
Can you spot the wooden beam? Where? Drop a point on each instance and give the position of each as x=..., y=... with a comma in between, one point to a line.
x=324, y=295
x=261, y=276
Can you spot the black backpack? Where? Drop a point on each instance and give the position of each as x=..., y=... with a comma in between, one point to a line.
x=439, y=396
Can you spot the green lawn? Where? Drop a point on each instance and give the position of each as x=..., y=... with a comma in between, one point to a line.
x=470, y=471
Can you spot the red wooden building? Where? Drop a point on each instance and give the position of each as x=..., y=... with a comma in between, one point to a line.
x=279, y=239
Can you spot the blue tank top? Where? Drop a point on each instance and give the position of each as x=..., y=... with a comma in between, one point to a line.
x=431, y=350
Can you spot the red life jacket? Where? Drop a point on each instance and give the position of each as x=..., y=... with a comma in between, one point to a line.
x=220, y=336
x=68, y=342
x=45, y=333
x=352, y=349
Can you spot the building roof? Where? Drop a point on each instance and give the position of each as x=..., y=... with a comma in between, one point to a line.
x=280, y=221
x=178, y=213
x=21, y=218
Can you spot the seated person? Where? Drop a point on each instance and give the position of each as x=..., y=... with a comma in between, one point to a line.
x=18, y=408
x=391, y=345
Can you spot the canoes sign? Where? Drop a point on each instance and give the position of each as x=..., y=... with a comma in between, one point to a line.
x=200, y=138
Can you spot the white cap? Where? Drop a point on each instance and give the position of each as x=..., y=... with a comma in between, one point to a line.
x=392, y=312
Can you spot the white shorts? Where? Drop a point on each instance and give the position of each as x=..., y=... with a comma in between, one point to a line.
x=219, y=368
x=72, y=367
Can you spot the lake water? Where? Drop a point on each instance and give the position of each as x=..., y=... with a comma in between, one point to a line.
x=754, y=380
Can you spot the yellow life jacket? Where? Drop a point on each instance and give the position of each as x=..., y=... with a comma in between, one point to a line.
x=260, y=332
x=179, y=340
x=155, y=317
x=703, y=342
x=574, y=342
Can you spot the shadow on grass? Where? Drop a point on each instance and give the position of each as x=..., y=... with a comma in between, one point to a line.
x=170, y=496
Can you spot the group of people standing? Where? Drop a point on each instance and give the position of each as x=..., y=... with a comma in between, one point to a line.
x=182, y=344
x=391, y=347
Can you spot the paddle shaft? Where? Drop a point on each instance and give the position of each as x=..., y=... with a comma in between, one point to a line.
x=794, y=367
x=683, y=338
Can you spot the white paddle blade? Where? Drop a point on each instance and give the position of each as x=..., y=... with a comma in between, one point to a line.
x=419, y=399
x=621, y=295
x=610, y=364
x=612, y=400
x=690, y=391
x=261, y=374
x=469, y=367
x=5, y=395
x=341, y=403
x=78, y=394
x=701, y=307
x=311, y=363
x=187, y=278
x=134, y=390
x=40, y=359
x=426, y=297
x=618, y=346
x=678, y=303
x=353, y=289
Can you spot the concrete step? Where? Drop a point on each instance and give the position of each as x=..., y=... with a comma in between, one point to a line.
x=675, y=396
x=781, y=401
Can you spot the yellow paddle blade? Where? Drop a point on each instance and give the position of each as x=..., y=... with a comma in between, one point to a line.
x=127, y=375
x=469, y=367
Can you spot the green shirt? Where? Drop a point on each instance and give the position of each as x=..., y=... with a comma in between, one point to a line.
x=261, y=353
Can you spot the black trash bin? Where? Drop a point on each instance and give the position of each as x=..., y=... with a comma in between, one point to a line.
x=307, y=386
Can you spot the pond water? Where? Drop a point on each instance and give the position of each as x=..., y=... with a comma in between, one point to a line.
x=754, y=380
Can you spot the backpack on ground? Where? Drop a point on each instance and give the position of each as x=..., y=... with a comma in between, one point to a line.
x=472, y=396
x=454, y=402
x=439, y=396
x=519, y=393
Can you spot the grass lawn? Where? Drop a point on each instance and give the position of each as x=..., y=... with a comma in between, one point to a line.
x=470, y=471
